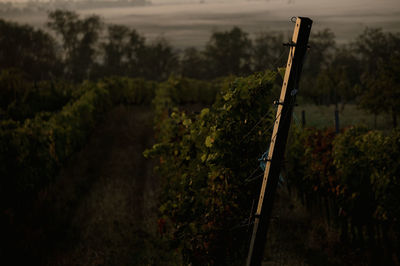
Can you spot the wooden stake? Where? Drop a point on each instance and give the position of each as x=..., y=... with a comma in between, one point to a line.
x=285, y=104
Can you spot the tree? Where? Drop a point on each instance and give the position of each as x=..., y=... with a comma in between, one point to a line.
x=322, y=49
x=338, y=82
x=135, y=48
x=374, y=46
x=157, y=61
x=79, y=37
x=194, y=65
x=319, y=57
x=29, y=50
x=120, y=52
x=268, y=51
x=379, y=53
x=115, y=50
x=66, y=24
x=229, y=53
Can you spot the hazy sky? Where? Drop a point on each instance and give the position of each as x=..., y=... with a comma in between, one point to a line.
x=190, y=22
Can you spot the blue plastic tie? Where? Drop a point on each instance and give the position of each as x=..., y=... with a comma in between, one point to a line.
x=263, y=163
x=263, y=160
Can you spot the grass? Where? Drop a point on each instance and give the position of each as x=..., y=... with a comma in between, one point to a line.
x=322, y=116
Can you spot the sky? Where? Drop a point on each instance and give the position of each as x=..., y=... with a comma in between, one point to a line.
x=190, y=22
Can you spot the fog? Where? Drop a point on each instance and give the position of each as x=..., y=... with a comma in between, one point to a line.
x=190, y=22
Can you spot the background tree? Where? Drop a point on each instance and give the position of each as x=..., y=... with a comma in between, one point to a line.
x=319, y=57
x=268, y=51
x=379, y=53
x=29, y=50
x=157, y=61
x=65, y=24
x=120, y=52
x=79, y=37
x=194, y=64
x=115, y=50
x=322, y=49
x=338, y=82
x=229, y=53
x=136, y=46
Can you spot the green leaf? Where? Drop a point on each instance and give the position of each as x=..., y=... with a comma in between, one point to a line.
x=187, y=122
x=209, y=141
x=204, y=112
x=227, y=96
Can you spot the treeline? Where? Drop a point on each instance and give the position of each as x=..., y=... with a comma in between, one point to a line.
x=365, y=71
x=87, y=48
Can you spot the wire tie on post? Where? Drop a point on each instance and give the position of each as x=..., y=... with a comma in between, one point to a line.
x=290, y=44
x=264, y=159
x=293, y=44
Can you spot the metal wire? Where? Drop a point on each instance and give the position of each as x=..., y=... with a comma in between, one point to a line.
x=255, y=126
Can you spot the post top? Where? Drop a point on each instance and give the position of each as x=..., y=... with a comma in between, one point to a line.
x=306, y=19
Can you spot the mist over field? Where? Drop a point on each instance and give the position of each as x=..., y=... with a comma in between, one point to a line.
x=191, y=22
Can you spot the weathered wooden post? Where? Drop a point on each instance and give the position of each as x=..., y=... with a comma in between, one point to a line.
x=298, y=48
x=303, y=118
x=337, y=127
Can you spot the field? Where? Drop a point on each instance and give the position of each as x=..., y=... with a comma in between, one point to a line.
x=324, y=117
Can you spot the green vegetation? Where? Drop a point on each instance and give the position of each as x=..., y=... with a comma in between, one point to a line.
x=352, y=180
x=54, y=122
x=33, y=150
x=204, y=161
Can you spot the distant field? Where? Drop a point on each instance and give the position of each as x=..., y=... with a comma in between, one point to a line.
x=190, y=23
x=323, y=117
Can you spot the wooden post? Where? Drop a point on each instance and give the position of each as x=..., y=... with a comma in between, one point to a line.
x=303, y=118
x=337, y=127
x=298, y=48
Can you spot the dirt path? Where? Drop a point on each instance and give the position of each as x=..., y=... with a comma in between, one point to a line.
x=105, y=198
